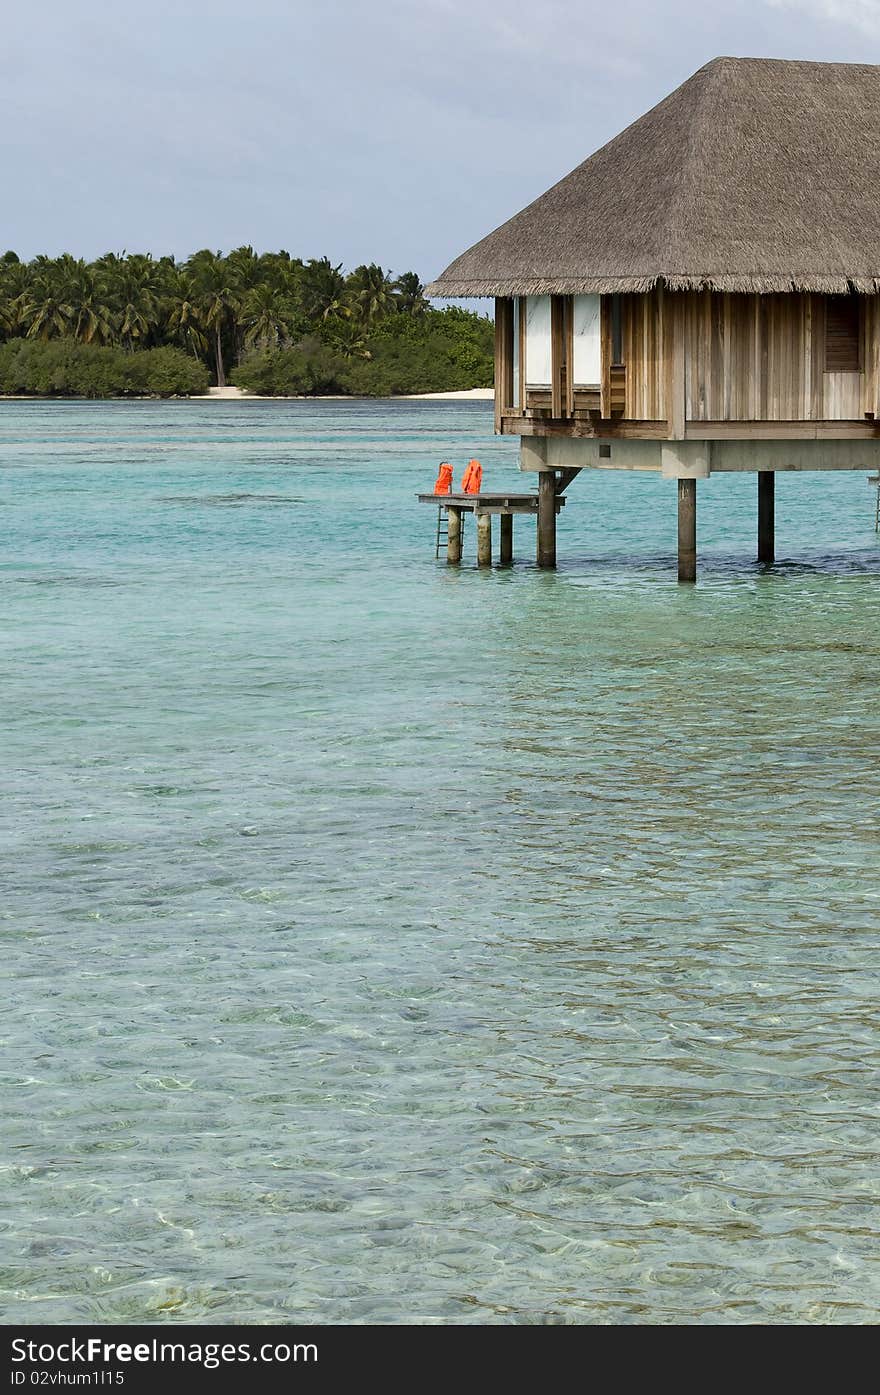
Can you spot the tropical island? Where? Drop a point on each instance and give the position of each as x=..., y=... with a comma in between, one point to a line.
x=132, y=325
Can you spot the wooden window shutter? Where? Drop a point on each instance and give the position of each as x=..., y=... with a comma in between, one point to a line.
x=842, y=353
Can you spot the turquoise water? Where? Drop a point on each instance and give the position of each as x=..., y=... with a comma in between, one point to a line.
x=388, y=943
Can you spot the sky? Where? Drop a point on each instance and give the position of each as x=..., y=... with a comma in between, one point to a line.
x=398, y=132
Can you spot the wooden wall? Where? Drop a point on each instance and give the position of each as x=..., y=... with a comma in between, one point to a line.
x=690, y=357
x=641, y=326
x=762, y=358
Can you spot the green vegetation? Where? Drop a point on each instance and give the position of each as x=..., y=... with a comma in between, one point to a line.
x=132, y=325
x=64, y=368
x=438, y=351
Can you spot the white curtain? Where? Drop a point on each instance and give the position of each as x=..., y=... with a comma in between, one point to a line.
x=538, y=359
x=587, y=341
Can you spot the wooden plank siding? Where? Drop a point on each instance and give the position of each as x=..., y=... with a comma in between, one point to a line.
x=705, y=357
x=870, y=377
x=843, y=396
x=763, y=358
x=675, y=365
x=642, y=343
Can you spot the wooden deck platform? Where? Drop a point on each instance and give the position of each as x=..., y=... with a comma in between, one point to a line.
x=488, y=502
x=544, y=505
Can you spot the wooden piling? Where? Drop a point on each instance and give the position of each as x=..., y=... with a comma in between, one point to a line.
x=453, y=535
x=546, y=549
x=505, y=556
x=484, y=540
x=687, y=530
x=766, y=515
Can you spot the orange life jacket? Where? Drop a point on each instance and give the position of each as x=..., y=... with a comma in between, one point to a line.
x=472, y=478
x=443, y=482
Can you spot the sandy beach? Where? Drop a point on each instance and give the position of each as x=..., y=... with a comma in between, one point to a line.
x=236, y=394
x=468, y=395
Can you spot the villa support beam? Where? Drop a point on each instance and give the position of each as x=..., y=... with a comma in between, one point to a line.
x=561, y=350
x=687, y=530
x=766, y=515
x=504, y=355
x=546, y=550
x=674, y=351
x=484, y=540
x=453, y=535
x=506, y=554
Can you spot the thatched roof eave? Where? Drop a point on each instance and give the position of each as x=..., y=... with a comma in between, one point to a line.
x=755, y=284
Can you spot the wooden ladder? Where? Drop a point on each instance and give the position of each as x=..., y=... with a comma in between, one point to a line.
x=442, y=537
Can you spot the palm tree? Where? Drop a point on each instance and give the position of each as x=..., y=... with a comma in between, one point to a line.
x=217, y=298
x=15, y=283
x=10, y=316
x=281, y=269
x=132, y=288
x=47, y=317
x=182, y=314
x=410, y=294
x=140, y=288
x=244, y=265
x=322, y=288
x=371, y=293
x=346, y=336
x=91, y=320
x=265, y=317
x=45, y=310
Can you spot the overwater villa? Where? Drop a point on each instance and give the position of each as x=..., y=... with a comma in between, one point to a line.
x=700, y=296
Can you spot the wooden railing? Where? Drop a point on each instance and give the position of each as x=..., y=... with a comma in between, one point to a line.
x=584, y=399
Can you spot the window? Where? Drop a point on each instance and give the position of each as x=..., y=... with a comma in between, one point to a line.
x=842, y=334
x=587, y=341
x=538, y=355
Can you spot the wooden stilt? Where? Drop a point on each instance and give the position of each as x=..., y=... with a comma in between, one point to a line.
x=484, y=540
x=546, y=549
x=506, y=554
x=453, y=539
x=687, y=530
x=766, y=515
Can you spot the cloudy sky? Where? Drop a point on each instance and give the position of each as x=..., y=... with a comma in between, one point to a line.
x=397, y=132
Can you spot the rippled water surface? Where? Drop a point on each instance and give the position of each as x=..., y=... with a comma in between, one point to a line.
x=387, y=943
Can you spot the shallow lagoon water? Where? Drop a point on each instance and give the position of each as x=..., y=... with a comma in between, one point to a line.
x=386, y=943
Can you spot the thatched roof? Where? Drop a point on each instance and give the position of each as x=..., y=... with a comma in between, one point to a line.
x=755, y=175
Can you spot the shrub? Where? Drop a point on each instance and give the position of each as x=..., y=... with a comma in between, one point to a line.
x=309, y=369
x=63, y=368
